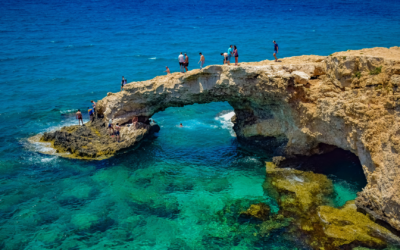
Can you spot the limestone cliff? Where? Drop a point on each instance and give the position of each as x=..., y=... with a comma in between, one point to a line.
x=349, y=100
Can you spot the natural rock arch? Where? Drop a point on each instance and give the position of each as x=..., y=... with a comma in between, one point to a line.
x=349, y=100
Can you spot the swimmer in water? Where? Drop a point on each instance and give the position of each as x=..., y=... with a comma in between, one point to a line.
x=180, y=125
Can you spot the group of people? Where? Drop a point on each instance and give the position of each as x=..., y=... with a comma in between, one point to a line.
x=184, y=64
x=232, y=52
x=114, y=130
x=91, y=112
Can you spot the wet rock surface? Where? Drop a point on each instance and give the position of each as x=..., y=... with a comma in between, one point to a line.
x=304, y=199
x=93, y=140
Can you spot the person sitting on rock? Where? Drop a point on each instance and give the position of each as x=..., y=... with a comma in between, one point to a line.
x=110, y=126
x=117, y=128
x=135, y=120
x=79, y=117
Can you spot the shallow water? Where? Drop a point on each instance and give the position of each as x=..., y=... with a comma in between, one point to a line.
x=173, y=191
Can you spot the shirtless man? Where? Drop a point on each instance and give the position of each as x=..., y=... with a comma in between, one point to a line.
x=110, y=126
x=186, y=62
x=168, y=72
x=117, y=128
x=202, y=60
x=135, y=121
x=79, y=117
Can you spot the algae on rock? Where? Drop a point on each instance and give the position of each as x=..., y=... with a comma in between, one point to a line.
x=304, y=196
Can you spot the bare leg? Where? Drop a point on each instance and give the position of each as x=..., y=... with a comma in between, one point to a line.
x=236, y=60
x=276, y=59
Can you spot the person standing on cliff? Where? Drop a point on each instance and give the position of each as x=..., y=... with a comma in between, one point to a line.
x=110, y=127
x=123, y=83
x=79, y=117
x=94, y=108
x=230, y=54
x=117, y=128
x=181, y=63
x=91, y=114
x=186, y=62
x=202, y=60
x=235, y=52
x=276, y=48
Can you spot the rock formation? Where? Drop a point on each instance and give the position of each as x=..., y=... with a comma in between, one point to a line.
x=349, y=100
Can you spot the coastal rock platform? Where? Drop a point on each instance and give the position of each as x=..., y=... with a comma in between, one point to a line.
x=349, y=100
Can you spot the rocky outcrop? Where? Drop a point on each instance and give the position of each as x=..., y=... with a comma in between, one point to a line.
x=349, y=100
x=305, y=199
x=93, y=141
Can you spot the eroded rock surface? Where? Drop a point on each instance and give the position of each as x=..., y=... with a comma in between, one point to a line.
x=349, y=99
x=93, y=141
x=304, y=198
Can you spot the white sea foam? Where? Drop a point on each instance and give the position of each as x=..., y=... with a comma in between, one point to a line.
x=226, y=122
x=153, y=58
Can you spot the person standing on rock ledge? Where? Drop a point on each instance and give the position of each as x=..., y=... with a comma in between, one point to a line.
x=91, y=114
x=94, y=108
x=202, y=60
x=117, y=128
x=123, y=83
x=236, y=54
x=110, y=127
x=79, y=117
x=181, y=63
x=186, y=62
x=230, y=54
x=276, y=48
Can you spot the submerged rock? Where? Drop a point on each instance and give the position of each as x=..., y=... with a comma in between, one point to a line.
x=297, y=190
x=259, y=211
x=304, y=197
x=346, y=226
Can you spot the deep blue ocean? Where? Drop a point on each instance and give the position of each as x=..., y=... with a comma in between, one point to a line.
x=56, y=56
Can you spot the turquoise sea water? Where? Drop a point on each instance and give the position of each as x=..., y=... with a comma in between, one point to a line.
x=169, y=193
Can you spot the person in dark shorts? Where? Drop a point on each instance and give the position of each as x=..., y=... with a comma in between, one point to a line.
x=186, y=62
x=79, y=117
x=117, y=128
x=91, y=114
x=110, y=127
x=94, y=108
x=225, y=55
x=123, y=83
x=236, y=54
x=276, y=48
x=181, y=59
